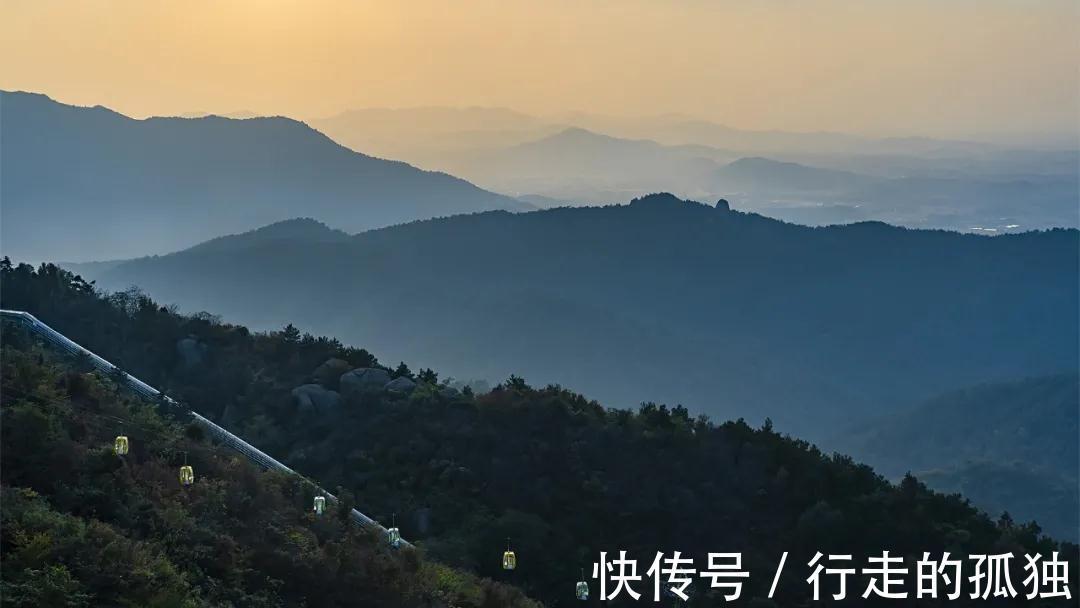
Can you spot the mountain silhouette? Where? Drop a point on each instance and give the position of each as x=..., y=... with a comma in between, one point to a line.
x=756, y=173
x=300, y=230
x=590, y=167
x=664, y=300
x=89, y=183
x=973, y=439
x=1002, y=192
x=425, y=135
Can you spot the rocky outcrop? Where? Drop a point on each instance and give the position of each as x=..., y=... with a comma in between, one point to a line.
x=329, y=373
x=314, y=398
x=401, y=385
x=191, y=351
x=363, y=380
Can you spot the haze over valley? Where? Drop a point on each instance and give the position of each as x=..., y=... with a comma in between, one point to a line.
x=85, y=184
x=162, y=184
x=661, y=300
x=351, y=303
x=677, y=302
x=807, y=178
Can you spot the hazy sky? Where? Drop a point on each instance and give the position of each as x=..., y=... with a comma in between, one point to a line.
x=932, y=67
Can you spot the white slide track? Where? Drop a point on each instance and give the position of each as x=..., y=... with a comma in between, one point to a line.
x=245, y=449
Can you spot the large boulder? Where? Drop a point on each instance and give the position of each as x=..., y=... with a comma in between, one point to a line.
x=191, y=351
x=400, y=385
x=363, y=380
x=329, y=373
x=314, y=398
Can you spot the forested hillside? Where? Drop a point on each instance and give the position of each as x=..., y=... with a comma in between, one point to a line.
x=83, y=526
x=1007, y=446
x=727, y=313
x=560, y=475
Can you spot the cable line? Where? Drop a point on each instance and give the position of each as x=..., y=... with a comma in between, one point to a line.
x=245, y=449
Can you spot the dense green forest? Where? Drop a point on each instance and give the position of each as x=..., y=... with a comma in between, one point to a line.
x=83, y=526
x=560, y=475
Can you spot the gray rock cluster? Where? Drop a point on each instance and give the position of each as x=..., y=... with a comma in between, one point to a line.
x=363, y=380
x=352, y=382
x=330, y=371
x=400, y=385
x=314, y=398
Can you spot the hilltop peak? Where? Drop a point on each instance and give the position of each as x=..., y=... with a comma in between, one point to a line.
x=579, y=134
x=657, y=198
x=576, y=132
x=300, y=226
x=304, y=229
x=667, y=199
x=760, y=162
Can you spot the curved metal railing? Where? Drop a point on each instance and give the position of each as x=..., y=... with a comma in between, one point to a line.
x=222, y=436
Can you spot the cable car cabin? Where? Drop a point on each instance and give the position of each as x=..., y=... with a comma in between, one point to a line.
x=121, y=445
x=509, y=560
x=187, y=475
x=320, y=505
x=393, y=536
x=581, y=590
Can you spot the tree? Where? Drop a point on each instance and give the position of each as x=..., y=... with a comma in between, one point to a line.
x=290, y=334
x=345, y=503
x=402, y=371
x=517, y=383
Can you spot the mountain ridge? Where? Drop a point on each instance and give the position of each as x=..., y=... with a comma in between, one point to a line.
x=968, y=440
x=562, y=475
x=586, y=166
x=115, y=186
x=586, y=293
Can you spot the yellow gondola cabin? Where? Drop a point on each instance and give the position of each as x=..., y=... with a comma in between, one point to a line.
x=121, y=445
x=581, y=590
x=509, y=559
x=187, y=475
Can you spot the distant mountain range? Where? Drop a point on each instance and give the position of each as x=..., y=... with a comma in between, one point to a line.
x=586, y=167
x=428, y=135
x=89, y=183
x=728, y=313
x=592, y=168
x=1007, y=446
x=403, y=132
